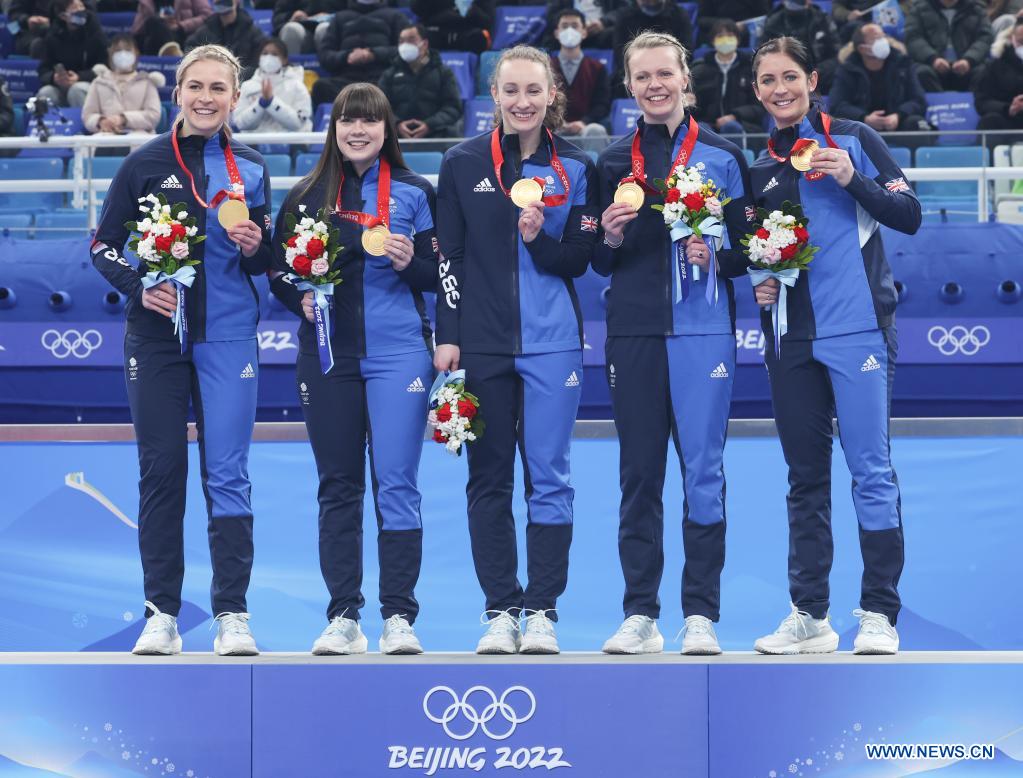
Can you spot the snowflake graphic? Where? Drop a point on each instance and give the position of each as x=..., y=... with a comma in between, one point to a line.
x=839, y=756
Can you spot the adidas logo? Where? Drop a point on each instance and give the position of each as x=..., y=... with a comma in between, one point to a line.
x=870, y=364
x=720, y=371
x=484, y=186
x=771, y=184
x=572, y=380
x=171, y=182
x=248, y=372
x=416, y=386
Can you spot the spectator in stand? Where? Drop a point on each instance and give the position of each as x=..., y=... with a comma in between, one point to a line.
x=301, y=24
x=584, y=79
x=599, y=17
x=948, y=40
x=358, y=46
x=458, y=25
x=999, y=95
x=32, y=18
x=714, y=11
x=876, y=83
x=647, y=16
x=123, y=99
x=849, y=15
x=1002, y=15
x=162, y=28
x=74, y=45
x=723, y=84
x=421, y=89
x=807, y=23
x=231, y=27
x=275, y=99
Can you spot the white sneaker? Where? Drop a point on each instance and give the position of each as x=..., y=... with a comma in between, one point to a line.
x=699, y=638
x=538, y=637
x=399, y=637
x=800, y=633
x=160, y=636
x=341, y=637
x=637, y=635
x=234, y=638
x=876, y=635
x=502, y=635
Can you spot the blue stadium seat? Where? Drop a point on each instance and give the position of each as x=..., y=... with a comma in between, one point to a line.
x=16, y=224
x=488, y=61
x=308, y=62
x=263, y=17
x=903, y=157
x=6, y=38
x=693, y=9
x=321, y=116
x=106, y=167
x=56, y=225
x=425, y=163
x=22, y=77
x=624, y=114
x=755, y=28
x=604, y=56
x=479, y=115
x=518, y=24
x=166, y=65
x=19, y=120
x=950, y=156
x=748, y=154
x=27, y=168
x=116, y=22
x=278, y=164
x=463, y=64
x=305, y=162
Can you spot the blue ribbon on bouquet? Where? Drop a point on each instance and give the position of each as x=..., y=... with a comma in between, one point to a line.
x=182, y=279
x=321, y=311
x=710, y=226
x=780, y=311
x=443, y=379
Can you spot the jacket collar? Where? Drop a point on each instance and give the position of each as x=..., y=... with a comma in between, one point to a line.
x=512, y=149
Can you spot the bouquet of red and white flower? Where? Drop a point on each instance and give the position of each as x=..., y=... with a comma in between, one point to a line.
x=454, y=412
x=163, y=239
x=310, y=251
x=779, y=248
x=692, y=206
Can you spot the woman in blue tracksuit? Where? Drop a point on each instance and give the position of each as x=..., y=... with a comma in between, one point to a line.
x=215, y=366
x=838, y=355
x=670, y=354
x=507, y=313
x=377, y=387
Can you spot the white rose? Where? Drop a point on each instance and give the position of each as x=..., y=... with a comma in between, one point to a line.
x=320, y=267
x=191, y=231
x=182, y=215
x=301, y=209
x=179, y=249
x=320, y=228
x=165, y=209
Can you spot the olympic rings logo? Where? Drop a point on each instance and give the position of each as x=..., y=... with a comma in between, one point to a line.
x=959, y=339
x=479, y=719
x=71, y=343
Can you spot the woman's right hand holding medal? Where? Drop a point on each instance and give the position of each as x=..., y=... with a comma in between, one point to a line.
x=161, y=298
x=614, y=219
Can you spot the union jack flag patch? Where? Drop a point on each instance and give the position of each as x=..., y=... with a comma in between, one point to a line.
x=751, y=213
x=897, y=185
x=588, y=224
x=435, y=245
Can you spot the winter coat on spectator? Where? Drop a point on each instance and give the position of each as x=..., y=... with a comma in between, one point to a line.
x=811, y=26
x=19, y=13
x=631, y=21
x=928, y=34
x=361, y=25
x=134, y=95
x=738, y=98
x=79, y=49
x=243, y=37
x=430, y=95
x=190, y=14
x=1000, y=82
x=6, y=110
x=447, y=28
x=283, y=10
x=290, y=110
x=850, y=93
x=589, y=94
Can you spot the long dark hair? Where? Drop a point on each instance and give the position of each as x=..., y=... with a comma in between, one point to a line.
x=356, y=101
x=794, y=50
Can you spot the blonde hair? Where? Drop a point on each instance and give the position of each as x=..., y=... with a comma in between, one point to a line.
x=210, y=52
x=555, y=115
x=655, y=40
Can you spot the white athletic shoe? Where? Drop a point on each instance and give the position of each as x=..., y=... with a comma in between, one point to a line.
x=800, y=633
x=538, y=636
x=637, y=635
x=399, y=637
x=502, y=635
x=160, y=635
x=876, y=635
x=699, y=638
x=234, y=637
x=342, y=636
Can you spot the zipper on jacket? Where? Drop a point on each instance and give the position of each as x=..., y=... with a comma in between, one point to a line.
x=517, y=303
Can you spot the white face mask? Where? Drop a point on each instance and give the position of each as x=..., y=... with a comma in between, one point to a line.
x=570, y=37
x=881, y=48
x=270, y=63
x=1019, y=52
x=408, y=51
x=123, y=61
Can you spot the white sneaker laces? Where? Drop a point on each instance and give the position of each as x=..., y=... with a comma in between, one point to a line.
x=233, y=623
x=338, y=624
x=158, y=621
x=796, y=624
x=632, y=625
x=398, y=625
x=502, y=621
x=872, y=623
x=694, y=625
x=537, y=622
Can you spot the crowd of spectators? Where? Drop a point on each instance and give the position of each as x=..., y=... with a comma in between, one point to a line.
x=868, y=73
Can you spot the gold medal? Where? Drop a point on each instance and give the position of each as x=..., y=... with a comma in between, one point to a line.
x=631, y=193
x=232, y=212
x=526, y=191
x=801, y=159
x=373, y=240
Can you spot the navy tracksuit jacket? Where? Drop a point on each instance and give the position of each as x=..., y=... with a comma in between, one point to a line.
x=376, y=391
x=218, y=372
x=670, y=367
x=839, y=356
x=512, y=309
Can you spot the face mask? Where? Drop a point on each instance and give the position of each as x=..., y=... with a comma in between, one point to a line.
x=223, y=8
x=570, y=37
x=123, y=60
x=794, y=5
x=652, y=10
x=881, y=48
x=77, y=19
x=726, y=45
x=408, y=51
x=270, y=63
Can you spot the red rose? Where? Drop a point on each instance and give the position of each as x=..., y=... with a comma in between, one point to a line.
x=789, y=252
x=466, y=408
x=693, y=201
x=763, y=234
x=439, y=437
x=673, y=196
x=444, y=413
x=802, y=236
x=163, y=242
x=302, y=265
x=292, y=241
x=178, y=231
x=314, y=248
